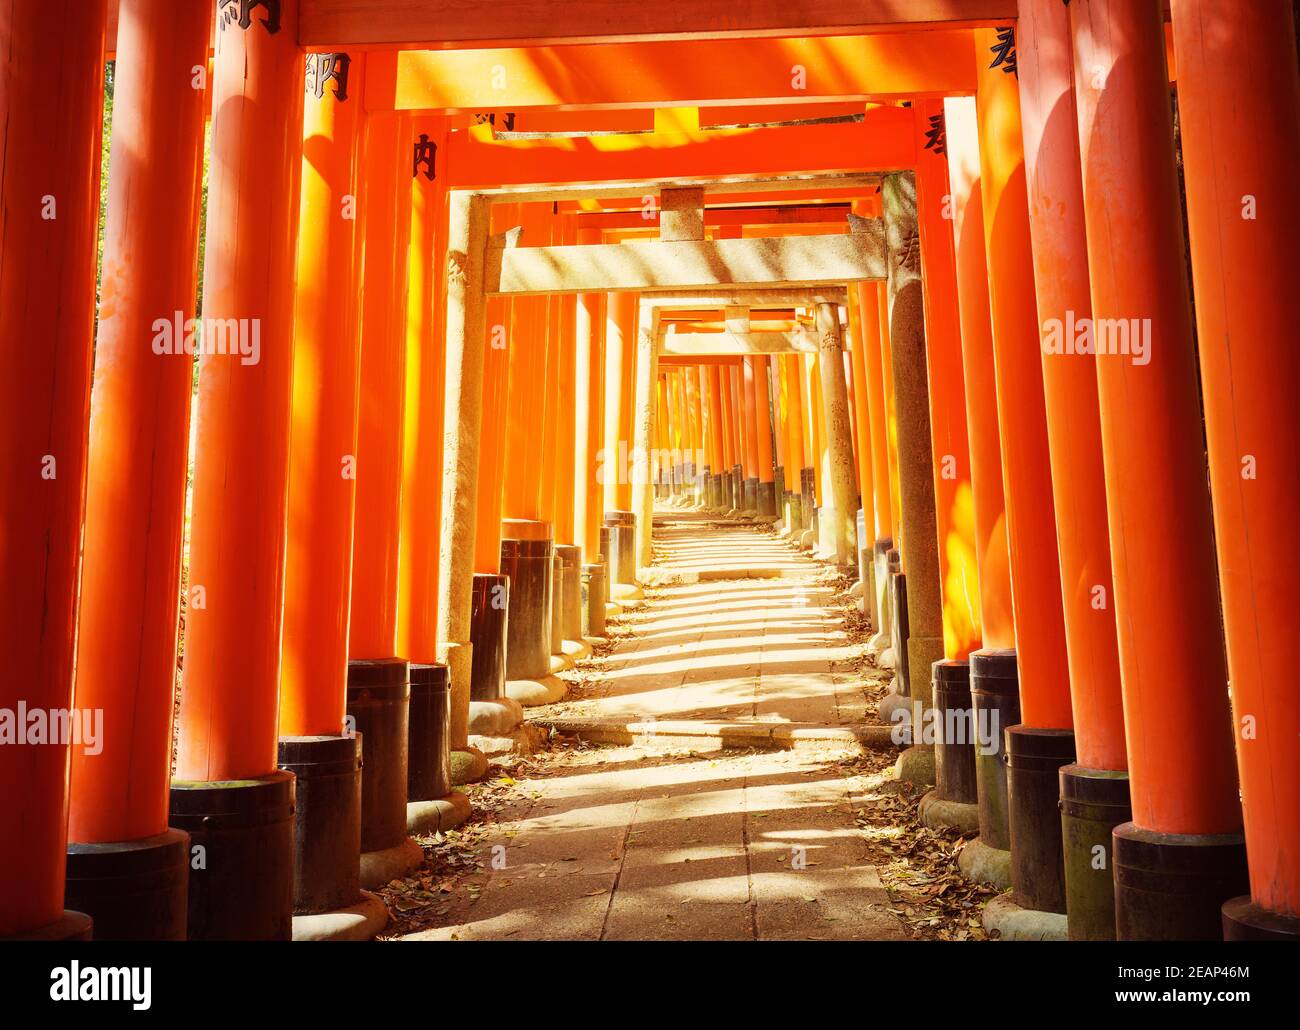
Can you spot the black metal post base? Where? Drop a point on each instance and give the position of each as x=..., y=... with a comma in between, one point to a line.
x=995, y=700
x=326, y=820
x=1171, y=886
x=1093, y=803
x=428, y=758
x=489, y=603
x=1034, y=760
x=954, y=750
x=1243, y=920
x=241, y=856
x=133, y=890
x=379, y=700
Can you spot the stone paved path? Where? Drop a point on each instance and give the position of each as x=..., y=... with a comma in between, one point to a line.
x=642, y=843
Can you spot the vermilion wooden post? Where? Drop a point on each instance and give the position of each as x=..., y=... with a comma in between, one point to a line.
x=1186, y=814
x=1044, y=736
x=524, y=413
x=765, y=497
x=862, y=436
x=620, y=339
x=323, y=428
x=749, y=433
x=229, y=696
x=947, y=390
x=789, y=366
x=51, y=104
x=993, y=668
x=737, y=389
x=135, y=495
x=386, y=192
x=1237, y=95
x=996, y=618
x=322, y=491
x=717, y=435
x=589, y=327
x=417, y=609
x=692, y=414
x=1098, y=782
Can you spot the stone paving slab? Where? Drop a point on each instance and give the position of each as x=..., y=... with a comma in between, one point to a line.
x=717, y=809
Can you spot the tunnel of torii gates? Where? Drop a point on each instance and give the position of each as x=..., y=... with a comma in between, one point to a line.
x=480, y=288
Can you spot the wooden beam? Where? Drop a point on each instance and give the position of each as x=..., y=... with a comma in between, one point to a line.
x=704, y=359
x=826, y=215
x=697, y=344
x=755, y=299
x=884, y=141
x=782, y=262
x=449, y=24
x=695, y=73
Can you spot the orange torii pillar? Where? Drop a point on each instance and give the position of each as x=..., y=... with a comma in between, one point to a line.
x=126, y=868
x=1182, y=856
x=440, y=717
x=1241, y=146
x=749, y=432
x=918, y=640
x=880, y=531
x=726, y=456
x=226, y=760
x=314, y=743
x=953, y=803
x=588, y=393
x=789, y=458
x=1041, y=739
x=1172, y=662
x=988, y=857
x=548, y=383
x=861, y=451
x=722, y=435
x=765, y=492
x=661, y=438
x=737, y=388
x=681, y=429
x=616, y=465
x=51, y=103
x=1093, y=792
x=490, y=590
x=800, y=446
x=570, y=615
x=711, y=381
x=780, y=434
x=379, y=682
x=694, y=425
x=527, y=544
x=791, y=508
x=809, y=380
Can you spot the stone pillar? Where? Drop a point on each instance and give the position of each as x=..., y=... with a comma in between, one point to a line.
x=467, y=231
x=840, y=511
x=51, y=103
x=229, y=710
x=920, y=557
x=1182, y=855
x=1244, y=220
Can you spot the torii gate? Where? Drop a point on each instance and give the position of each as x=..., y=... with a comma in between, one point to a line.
x=681, y=260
